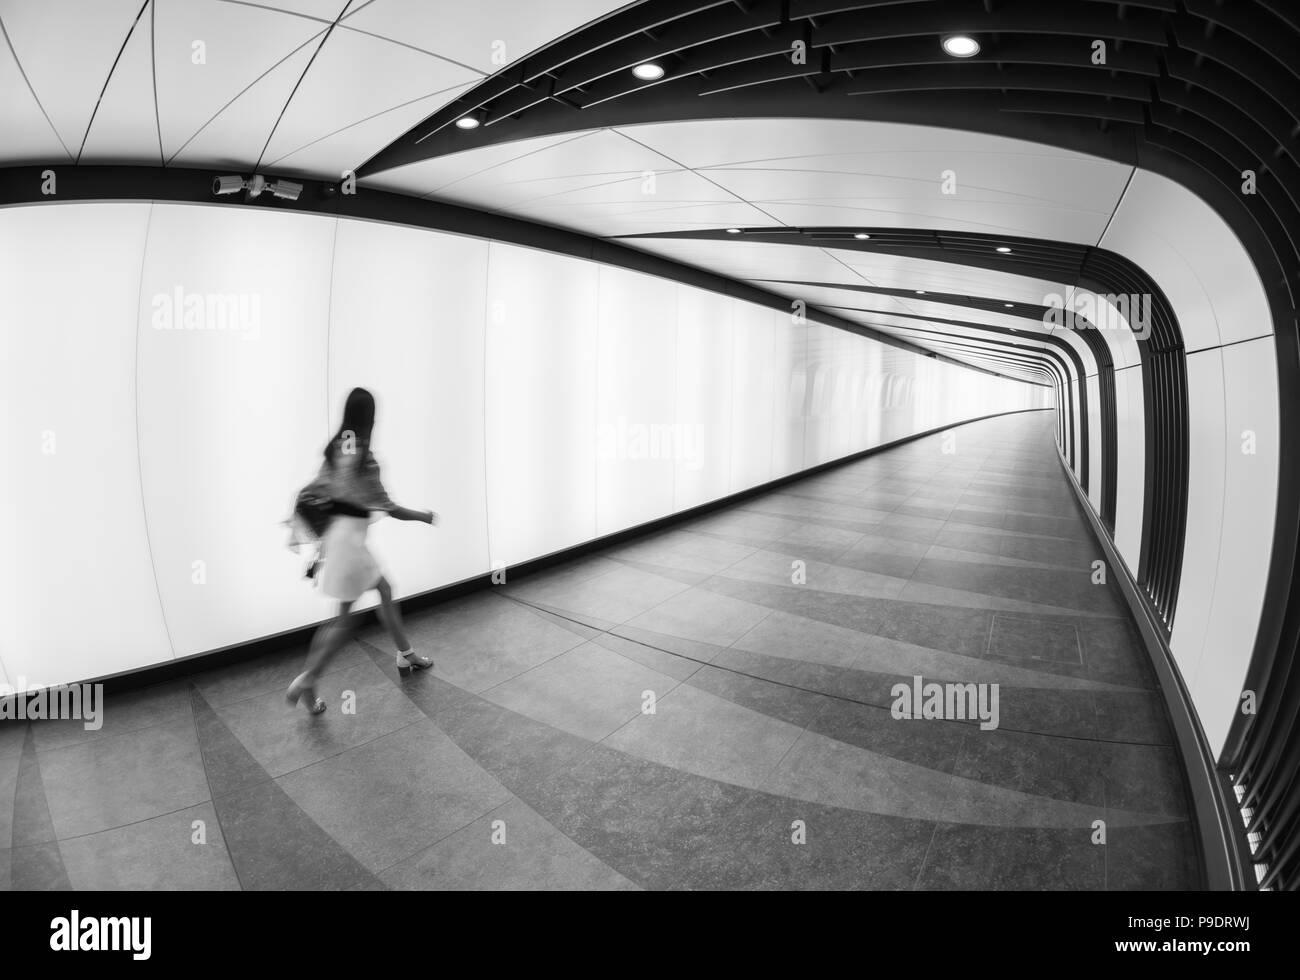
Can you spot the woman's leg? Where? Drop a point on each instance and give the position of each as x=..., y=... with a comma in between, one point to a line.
x=391, y=616
x=329, y=640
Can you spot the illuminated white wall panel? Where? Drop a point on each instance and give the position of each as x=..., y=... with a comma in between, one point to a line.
x=1194, y=256
x=703, y=388
x=1096, y=464
x=637, y=439
x=1077, y=393
x=76, y=580
x=822, y=433
x=752, y=394
x=897, y=396
x=1130, y=466
x=406, y=323
x=211, y=349
x=540, y=409
x=789, y=357
x=232, y=415
x=865, y=428
x=1249, y=509
x=1205, y=459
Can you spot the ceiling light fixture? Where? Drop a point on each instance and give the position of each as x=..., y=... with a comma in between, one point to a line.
x=467, y=122
x=648, y=72
x=861, y=236
x=1008, y=305
x=920, y=292
x=1004, y=250
x=733, y=231
x=961, y=46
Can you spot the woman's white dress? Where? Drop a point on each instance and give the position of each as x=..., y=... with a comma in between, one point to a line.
x=349, y=568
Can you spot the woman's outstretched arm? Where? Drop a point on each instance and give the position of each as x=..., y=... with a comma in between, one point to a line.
x=405, y=514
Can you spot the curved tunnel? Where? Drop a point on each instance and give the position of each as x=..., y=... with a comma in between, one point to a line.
x=599, y=304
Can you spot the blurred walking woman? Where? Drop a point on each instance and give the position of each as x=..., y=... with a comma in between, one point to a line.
x=349, y=484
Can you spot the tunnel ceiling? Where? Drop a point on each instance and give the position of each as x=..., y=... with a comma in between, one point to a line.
x=832, y=115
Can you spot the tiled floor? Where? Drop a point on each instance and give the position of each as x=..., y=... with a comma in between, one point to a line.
x=527, y=758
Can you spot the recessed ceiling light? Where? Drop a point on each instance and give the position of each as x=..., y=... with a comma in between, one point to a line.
x=733, y=231
x=861, y=236
x=467, y=122
x=1008, y=305
x=961, y=45
x=920, y=292
x=648, y=72
x=1003, y=249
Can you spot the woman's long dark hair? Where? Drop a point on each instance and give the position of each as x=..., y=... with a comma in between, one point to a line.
x=358, y=418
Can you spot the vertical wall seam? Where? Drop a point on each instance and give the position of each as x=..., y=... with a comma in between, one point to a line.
x=483, y=386
x=139, y=454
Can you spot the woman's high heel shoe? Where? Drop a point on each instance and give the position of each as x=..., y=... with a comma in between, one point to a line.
x=297, y=689
x=410, y=660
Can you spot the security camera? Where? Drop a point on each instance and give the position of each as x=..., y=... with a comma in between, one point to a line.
x=285, y=190
x=228, y=185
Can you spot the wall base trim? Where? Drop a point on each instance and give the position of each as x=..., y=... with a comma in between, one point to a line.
x=1220, y=833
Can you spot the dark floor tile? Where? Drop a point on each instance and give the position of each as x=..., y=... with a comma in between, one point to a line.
x=656, y=826
x=1024, y=639
x=1060, y=527
x=275, y=846
x=1114, y=653
x=964, y=631
x=681, y=575
x=805, y=675
x=1145, y=778
x=663, y=661
x=38, y=868
x=228, y=765
x=12, y=736
x=968, y=858
x=980, y=518
x=934, y=511
x=1054, y=551
x=871, y=556
x=1160, y=857
x=32, y=823
x=1046, y=586
x=1137, y=716
x=789, y=704
x=840, y=849
x=935, y=746
x=518, y=751
x=853, y=612
x=976, y=541
x=1065, y=713
x=1043, y=765
x=686, y=650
